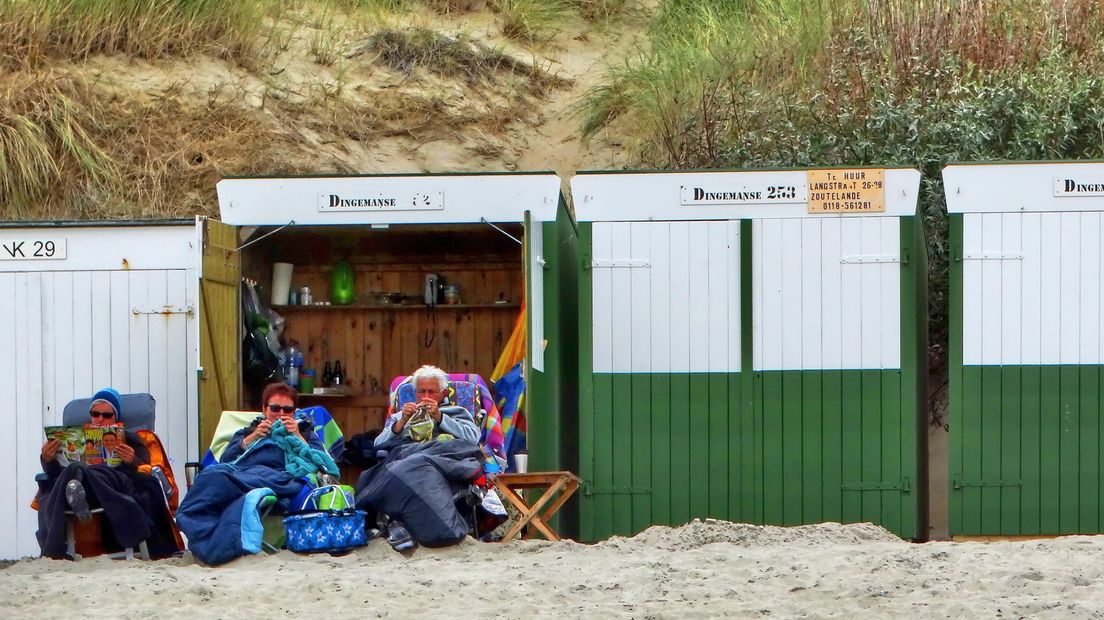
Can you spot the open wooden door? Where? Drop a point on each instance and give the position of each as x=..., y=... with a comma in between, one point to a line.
x=220, y=325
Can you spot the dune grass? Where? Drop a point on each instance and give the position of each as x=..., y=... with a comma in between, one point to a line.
x=31, y=30
x=455, y=56
x=531, y=20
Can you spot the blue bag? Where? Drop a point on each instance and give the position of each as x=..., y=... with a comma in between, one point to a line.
x=325, y=531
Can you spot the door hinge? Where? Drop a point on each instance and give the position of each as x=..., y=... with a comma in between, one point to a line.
x=991, y=256
x=621, y=263
x=904, y=486
x=617, y=491
x=165, y=310
x=858, y=259
x=959, y=483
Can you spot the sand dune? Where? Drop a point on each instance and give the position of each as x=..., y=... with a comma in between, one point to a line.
x=703, y=569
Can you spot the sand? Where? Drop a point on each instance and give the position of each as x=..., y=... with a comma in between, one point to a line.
x=703, y=569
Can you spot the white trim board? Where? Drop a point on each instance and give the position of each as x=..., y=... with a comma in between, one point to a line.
x=107, y=248
x=657, y=196
x=424, y=199
x=1019, y=188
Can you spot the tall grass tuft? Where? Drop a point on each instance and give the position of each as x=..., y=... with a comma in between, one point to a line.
x=33, y=29
x=594, y=10
x=531, y=20
x=46, y=141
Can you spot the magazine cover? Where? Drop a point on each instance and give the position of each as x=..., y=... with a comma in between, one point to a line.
x=112, y=437
x=93, y=445
x=71, y=438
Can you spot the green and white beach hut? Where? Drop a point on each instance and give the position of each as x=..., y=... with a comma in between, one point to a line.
x=1026, y=349
x=752, y=347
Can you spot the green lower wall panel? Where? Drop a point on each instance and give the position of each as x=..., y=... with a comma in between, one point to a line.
x=803, y=447
x=1026, y=450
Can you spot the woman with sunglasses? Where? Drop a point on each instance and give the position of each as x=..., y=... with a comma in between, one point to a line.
x=131, y=500
x=254, y=466
x=279, y=405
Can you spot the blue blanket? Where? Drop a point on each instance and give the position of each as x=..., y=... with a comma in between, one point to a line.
x=220, y=513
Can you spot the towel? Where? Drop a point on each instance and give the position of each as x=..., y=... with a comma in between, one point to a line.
x=301, y=459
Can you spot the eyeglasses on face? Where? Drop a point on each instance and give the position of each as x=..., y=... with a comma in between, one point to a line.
x=278, y=408
x=107, y=415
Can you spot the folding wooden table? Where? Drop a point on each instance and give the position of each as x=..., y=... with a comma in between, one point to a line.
x=563, y=482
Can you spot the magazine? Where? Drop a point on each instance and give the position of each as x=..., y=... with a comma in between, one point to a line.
x=91, y=445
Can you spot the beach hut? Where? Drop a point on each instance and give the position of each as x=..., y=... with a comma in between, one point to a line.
x=751, y=347
x=505, y=241
x=1026, y=350
x=85, y=305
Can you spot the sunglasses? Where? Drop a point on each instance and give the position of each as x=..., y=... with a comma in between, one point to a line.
x=278, y=409
x=107, y=415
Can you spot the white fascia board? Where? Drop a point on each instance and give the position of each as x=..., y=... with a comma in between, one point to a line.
x=1021, y=188
x=657, y=196
x=441, y=199
x=106, y=248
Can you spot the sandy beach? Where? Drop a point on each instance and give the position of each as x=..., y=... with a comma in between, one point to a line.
x=703, y=569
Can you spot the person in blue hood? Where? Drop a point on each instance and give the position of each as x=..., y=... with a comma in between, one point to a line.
x=132, y=501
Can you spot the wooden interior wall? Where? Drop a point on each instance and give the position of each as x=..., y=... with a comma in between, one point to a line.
x=377, y=342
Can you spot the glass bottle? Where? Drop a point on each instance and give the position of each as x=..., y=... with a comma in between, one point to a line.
x=338, y=376
x=327, y=375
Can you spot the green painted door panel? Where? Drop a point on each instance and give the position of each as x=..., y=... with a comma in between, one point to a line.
x=672, y=447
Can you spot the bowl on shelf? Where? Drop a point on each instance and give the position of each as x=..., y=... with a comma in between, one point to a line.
x=386, y=299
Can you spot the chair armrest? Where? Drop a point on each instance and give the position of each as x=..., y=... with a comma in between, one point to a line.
x=163, y=480
x=41, y=477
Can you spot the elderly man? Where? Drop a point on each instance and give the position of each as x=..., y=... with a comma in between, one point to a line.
x=414, y=489
x=431, y=392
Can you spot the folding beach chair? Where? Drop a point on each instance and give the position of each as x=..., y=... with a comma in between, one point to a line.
x=138, y=415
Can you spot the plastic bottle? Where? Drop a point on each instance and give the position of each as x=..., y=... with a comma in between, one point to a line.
x=293, y=362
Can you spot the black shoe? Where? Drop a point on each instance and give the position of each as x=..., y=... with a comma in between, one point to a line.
x=398, y=537
x=75, y=497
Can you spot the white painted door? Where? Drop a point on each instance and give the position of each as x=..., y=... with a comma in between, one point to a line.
x=1031, y=288
x=826, y=293
x=666, y=296
x=65, y=334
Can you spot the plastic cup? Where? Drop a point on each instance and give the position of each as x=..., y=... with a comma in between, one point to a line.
x=306, y=384
x=521, y=463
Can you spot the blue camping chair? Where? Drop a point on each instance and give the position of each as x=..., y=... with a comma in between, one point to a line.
x=139, y=413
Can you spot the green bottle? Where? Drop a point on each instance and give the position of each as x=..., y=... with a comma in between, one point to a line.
x=342, y=284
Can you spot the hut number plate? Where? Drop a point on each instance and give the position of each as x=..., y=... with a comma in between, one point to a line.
x=32, y=249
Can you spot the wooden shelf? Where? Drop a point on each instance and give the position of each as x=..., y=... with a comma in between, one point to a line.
x=514, y=306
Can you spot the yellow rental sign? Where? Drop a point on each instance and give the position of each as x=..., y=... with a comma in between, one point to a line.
x=846, y=191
